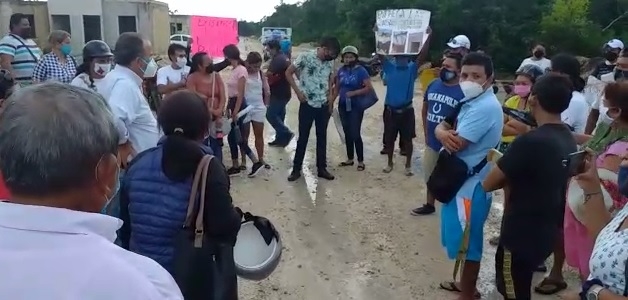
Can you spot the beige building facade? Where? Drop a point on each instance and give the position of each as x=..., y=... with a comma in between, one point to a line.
x=88, y=20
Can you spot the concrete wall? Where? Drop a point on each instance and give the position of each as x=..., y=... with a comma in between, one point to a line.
x=151, y=17
x=184, y=20
x=38, y=10
x=75, y=10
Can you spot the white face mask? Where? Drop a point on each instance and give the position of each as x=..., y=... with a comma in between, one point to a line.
x=181, y=62
x=151, y=69
x=471, y=89
x=102, y=69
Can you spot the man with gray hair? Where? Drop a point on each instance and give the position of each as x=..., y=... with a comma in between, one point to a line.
x=133, y=60
x=59, y=162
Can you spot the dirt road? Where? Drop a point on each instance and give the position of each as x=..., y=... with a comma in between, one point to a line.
x=352, y=238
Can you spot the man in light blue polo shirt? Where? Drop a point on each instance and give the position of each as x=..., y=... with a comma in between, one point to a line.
x=477, y=130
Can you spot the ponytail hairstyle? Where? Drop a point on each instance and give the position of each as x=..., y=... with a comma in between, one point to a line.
x=232, y=52
x=196, y=61
x=569, y=65
x=85, y=68
x=183, y=117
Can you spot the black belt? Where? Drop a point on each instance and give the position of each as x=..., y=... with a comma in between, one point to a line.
x=400, y=109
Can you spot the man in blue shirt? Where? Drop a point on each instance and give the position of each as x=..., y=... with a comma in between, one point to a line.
x=401, y=74
x=439, y=101
x=477, y=130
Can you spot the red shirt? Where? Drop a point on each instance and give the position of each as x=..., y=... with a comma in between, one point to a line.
x=4, y=192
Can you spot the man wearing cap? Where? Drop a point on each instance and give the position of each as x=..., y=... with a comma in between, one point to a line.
x=459, y=44
x=611, y=51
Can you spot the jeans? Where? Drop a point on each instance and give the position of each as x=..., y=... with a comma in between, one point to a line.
x=234, y=143
x=352, y=125
x=215, y=146
x=309, y=115
x=231, y=138
x=276, y=115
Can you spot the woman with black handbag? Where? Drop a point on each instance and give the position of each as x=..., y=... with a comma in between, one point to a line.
x=161, y=199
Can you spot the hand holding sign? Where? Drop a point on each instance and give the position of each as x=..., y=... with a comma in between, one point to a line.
x=211, y=34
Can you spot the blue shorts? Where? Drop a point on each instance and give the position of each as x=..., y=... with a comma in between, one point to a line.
x=454, y=219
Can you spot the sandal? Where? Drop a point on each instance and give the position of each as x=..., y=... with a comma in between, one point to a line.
x=361, y=167
x=549, y=286
x=451, y=286
x=346, y=163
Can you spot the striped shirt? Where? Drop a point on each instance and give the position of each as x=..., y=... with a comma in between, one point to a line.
x=24, y=61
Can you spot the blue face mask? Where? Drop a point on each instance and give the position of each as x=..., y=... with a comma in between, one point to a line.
x=446, y=75
x=66, y=49
x=116, y=189
x=622, y=180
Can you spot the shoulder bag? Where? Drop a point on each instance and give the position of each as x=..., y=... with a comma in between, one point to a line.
x=365, y=101
x=203, y=269
x=450, y=172
x=27, y=48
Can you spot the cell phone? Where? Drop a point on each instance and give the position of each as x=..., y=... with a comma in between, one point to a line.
x=520, y=115
x=575, y=162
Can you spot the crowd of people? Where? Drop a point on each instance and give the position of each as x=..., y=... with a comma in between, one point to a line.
x=133, y=168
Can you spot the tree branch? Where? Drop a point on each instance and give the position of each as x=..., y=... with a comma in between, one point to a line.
x=614, y=21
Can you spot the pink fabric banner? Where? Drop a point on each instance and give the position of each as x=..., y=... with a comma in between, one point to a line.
x=211, y=34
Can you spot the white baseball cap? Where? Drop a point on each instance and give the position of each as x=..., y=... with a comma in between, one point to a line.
x=460, y=41
x=615, y=44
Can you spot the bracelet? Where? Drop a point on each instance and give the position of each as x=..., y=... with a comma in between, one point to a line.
x=588, y=196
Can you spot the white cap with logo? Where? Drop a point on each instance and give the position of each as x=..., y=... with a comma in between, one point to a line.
x=615, y=44
x=460, y=41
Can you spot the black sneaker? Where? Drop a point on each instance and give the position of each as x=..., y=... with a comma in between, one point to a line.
x=286, y=142
x=426, y=209
x=274, y=143
x=294, y=176
x=233, y=171
x=383, y=152
x=256, y=168
x=325, y=174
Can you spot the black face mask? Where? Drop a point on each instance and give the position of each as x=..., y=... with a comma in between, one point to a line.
x=25, y=33
x=611, y=56
x=538, y=53
x=209, y=69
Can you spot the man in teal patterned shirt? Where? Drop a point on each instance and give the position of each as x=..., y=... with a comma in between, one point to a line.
x=314, y=71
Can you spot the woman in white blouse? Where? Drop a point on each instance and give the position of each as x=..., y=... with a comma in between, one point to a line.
x=609, y=261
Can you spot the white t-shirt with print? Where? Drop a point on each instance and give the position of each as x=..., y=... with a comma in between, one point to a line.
x=577, y=113
x=609, y=258
x=168, y=74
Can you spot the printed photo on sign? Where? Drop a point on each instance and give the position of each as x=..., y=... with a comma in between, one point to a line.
x=401, y=31
x=399, y=42
x=276, y=33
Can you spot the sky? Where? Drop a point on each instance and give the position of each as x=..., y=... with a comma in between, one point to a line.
x=248, y=10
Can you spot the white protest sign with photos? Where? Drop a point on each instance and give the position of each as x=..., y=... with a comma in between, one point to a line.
x=401, y=31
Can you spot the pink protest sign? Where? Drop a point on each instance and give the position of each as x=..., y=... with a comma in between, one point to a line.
x=211, y=34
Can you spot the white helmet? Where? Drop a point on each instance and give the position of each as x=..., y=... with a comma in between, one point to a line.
x=257, y=251
x=460, y=41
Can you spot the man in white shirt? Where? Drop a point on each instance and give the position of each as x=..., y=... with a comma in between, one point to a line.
x=538, y=58
x=173, y=77
x=53, y=242
x=133, y=60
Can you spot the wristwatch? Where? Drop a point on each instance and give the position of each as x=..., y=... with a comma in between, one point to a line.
x=594, y=291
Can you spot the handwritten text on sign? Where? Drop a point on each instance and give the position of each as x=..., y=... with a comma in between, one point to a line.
x=403, y=19
x=212, y=34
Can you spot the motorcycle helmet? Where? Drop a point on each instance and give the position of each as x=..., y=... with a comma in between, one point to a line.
x=96, y=48
x=349, y=49
x=258, y=248
x=532, y=71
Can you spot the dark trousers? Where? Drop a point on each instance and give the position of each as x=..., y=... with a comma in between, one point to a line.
x=232, y=138
x=309, y=115
x=276, y=116
x=352, y=125
x=215, y=146
x=390, y=147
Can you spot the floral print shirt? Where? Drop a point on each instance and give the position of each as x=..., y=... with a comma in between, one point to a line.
x=313, y=77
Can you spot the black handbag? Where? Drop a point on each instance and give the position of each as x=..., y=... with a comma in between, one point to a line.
x=449, y=174
x=203, y=269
